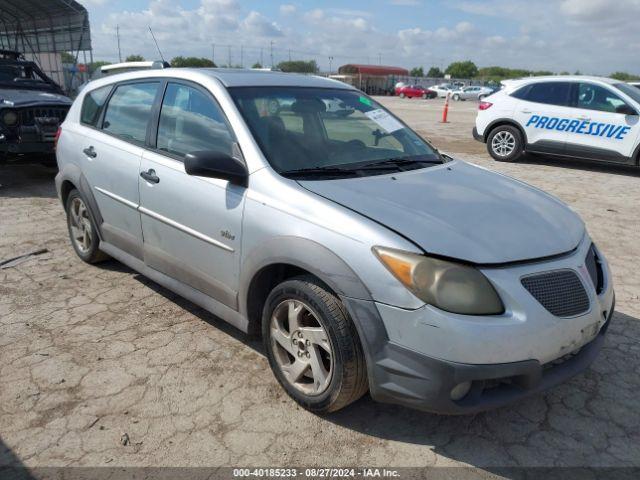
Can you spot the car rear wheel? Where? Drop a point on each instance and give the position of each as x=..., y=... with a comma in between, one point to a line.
x=505, y=143
x=401, y=95
x=312, y=345
x=82, y=230
x=456, y=97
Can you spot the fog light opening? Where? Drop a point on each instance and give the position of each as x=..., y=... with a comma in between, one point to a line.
x=460, y=391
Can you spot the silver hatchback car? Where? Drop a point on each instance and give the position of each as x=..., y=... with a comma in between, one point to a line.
x=366, y=259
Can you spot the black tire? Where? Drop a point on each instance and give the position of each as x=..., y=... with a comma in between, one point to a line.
x=518, y=146
x=456, y=97
x=401, y=95
x=424, y=96
x=348, y=380
x=92, y=254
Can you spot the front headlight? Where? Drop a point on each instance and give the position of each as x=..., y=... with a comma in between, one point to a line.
x=10, y=118
x=450, y=286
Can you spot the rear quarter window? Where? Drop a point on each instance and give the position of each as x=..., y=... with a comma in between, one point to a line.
x=92, y=105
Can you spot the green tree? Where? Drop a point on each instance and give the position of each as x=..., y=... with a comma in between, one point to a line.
x=465, y=69
x=67, y=57
x=256, y=65
x=134, y=58
x=417, y=72
x=299, y=66
x=96, y=65
x=496, y=74
x=194, y=62
x=624, y=76
x=435, y=72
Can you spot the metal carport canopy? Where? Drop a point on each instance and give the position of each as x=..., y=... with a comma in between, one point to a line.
x=39, y=26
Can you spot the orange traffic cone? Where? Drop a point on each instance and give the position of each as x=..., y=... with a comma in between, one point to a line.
x=445, y=112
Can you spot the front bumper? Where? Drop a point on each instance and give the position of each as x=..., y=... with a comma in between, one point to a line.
x=402, y=376
x=415, y=380
x=416, y=357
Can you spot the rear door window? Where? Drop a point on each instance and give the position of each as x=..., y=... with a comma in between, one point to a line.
x=548, y=93
x=129, y=111
x=92, y=105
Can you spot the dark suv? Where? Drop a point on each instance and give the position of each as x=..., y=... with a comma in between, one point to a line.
x=32, y=106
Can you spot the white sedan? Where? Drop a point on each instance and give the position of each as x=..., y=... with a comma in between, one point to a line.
x=471, y=93
x=442, y=90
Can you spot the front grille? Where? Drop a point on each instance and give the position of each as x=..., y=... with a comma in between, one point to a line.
x=594, y=267
x=29, y=116
x=561, y=292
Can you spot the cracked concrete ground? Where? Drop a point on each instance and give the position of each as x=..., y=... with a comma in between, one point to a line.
x=89, y=353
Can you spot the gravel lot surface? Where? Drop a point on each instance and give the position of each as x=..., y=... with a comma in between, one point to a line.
x=91, y=353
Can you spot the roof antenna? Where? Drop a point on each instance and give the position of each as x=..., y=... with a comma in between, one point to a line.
x=156, y=42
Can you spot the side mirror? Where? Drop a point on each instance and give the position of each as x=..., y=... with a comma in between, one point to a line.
x=214, y=164
x=625, y=109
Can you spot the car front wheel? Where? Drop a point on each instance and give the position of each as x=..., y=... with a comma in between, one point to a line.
x=401, y=95
x=312, y=345
x=456, y=97
x=505, y=143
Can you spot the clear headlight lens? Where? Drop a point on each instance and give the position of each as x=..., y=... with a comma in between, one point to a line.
x=450, y=286
x=10, y=118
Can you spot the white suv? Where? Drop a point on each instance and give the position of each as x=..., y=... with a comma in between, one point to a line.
x=570, y=116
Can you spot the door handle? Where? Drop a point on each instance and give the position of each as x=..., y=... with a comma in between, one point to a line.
x=526, y=111
x=90, y=152
x=584, y=119
x=150, y=176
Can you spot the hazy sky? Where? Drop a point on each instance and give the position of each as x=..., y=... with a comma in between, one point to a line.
x=594, y=36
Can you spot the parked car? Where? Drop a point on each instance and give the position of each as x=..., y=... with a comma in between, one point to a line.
x=635, y=84
x=442, y=90
x=568, y=116
x=32, y=106
x=471, y=93
x=366, y=259
x=415, y=91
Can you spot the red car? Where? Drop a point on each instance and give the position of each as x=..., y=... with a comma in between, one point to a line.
x=411, y=91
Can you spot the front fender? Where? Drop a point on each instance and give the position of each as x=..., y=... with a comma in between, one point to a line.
x=307, y=255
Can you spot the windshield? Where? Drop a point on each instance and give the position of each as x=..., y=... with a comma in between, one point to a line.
x=314, y=128
x=630, y=90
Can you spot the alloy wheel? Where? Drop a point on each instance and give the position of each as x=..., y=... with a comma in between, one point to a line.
x=503, y=143
x=301, y=347
x=80, y=225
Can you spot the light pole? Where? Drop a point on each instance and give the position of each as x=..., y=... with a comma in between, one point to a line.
x=330, y=61
x=271, y=44
x=118, y=37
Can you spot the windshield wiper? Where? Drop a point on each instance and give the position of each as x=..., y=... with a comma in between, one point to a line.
x=328, y=170
x=395, y=162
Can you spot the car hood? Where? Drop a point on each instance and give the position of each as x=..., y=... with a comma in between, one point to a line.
x=462, y=211
x=10, y=97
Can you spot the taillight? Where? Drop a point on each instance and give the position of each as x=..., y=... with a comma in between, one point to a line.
x=485, y=105
x=55, y=139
